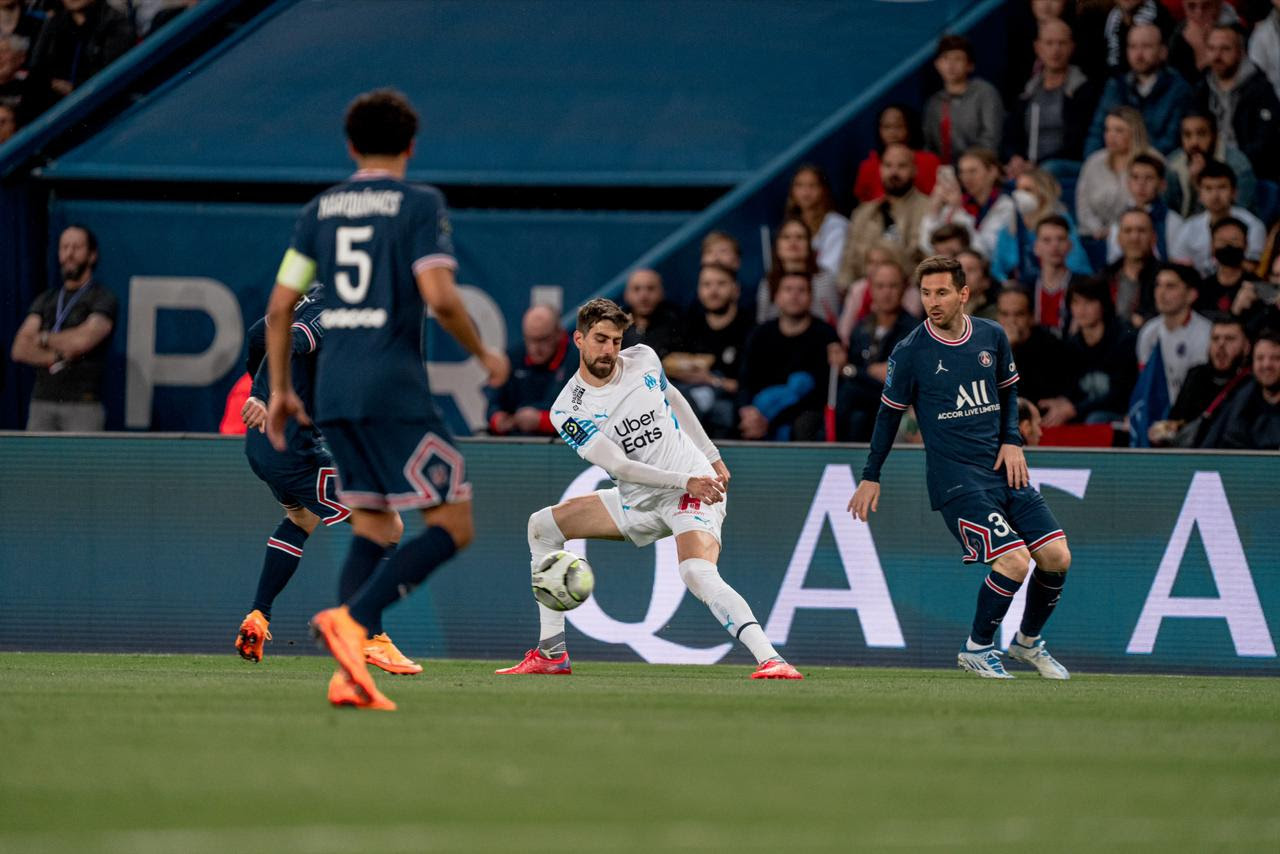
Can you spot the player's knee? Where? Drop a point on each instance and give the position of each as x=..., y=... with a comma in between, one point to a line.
x=303, y=518
x=543, y=529
x=1014, y=565
x=462, y=529
x=701, y=577
x=396, y=528
x=1055, y=557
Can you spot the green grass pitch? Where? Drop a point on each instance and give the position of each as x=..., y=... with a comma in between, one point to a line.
x=196, y=754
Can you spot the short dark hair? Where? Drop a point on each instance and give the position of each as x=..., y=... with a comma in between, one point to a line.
x=1269, y=335
x=718, y=236
x=89, y=237
x=601, y=310
x=1227, y=222
x=1093, y=288
x=952, y=41
x=1233, y=28
x=381, y=122
x=950, y=231
x=1217, y=169
x=1226, y=318
x=721, y=268
x=941, y=264
x=1137, y=210
x=1012, y=287
x=976, y=253
x=1146, y=158
x=1187, y=275
x=1202, y=114
x=1057, y=220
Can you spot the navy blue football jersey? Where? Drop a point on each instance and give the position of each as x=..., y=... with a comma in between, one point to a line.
x=367, y=239
x=956, y=388
x=306, y=333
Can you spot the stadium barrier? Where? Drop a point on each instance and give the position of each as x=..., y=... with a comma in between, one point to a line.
x=146, y=543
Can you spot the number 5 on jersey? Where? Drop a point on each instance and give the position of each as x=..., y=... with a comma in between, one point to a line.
x=349, y=256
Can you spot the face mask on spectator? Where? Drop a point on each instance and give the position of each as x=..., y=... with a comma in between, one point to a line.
x=1026, y=202
x=1229, y=256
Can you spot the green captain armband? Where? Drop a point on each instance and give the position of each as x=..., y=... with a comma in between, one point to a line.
x=297, y=271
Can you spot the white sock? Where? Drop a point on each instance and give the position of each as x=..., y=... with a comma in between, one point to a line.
x=1024, y=640
x=972, y=645
x=545, y=537
x=727, y=606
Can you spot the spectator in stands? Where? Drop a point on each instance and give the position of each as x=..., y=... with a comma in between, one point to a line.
x=1156, y=91
x=654, y=320
x=66, y=337
x=793, y=253
x=721, y=247
x=975, y=201
x=1146, y=185
x=1250, y=419
x=1242, y=100
x=75, y=44
x=1189, y=45
x=1023, y=23
x=857, y=301
x=13, y=78
x=897, y=125
x=1217, y=187
x=1200, y=144
x=1181, y=332
x=1133, y=276
x=540, y=366
x=17, y=20
x=966, y=112
x=1038, y=195
x=1264, y=46
x=706, y=362
x=977, y=276
x=785, y=370
x=8, y=122
x=1049, y=118
x=1101, y=356
x=1029, y=423
x=1220, y=287
x=1101, y=195
x=1205, y=386
x=949, y=240
x=1124, y=18
x=869, y=348
x=1257, y=303
x=1039, y=354
x=1049, y=288
x=895, y=217
x=810, y=200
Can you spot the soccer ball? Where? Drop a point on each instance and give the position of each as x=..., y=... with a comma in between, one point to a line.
x=563, y=581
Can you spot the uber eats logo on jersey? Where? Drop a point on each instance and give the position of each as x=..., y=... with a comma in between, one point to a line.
x=632, y=439
x=973, y=399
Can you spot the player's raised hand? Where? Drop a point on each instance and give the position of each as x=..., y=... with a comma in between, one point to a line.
x=708, y=490
x=723, y=471
x=284, y=405
x=497, y=364
x=865, y=500
x=1015, y=466
x=254, y=414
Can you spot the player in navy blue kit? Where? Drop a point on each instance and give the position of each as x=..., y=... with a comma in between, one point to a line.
x=385, y=248
x=959, y=374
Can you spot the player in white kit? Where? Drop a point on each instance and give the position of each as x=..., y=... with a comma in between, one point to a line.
x=618, y=412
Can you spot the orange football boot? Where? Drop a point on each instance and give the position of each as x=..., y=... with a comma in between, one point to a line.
x=344, y=692
x=253, y=636
x=381, y=652
x=345, y=639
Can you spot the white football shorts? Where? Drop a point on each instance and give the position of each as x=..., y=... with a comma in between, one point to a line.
x=664, y=514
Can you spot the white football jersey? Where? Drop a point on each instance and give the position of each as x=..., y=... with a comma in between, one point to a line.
x=632, y=412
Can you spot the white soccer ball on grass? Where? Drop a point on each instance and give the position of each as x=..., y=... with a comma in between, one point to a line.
x=563, y=581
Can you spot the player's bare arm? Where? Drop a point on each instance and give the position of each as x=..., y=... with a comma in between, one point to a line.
x=1015, y=465
x=75, y=342
x=285, y=402
x=438, y=289
x=865, y=500
x=27, y=348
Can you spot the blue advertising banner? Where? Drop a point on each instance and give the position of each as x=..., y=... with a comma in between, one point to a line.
x=154, y=544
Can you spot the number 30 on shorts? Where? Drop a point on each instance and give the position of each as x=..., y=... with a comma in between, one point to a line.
x=998, y=525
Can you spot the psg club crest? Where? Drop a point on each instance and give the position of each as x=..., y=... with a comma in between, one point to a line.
x=439, y=475
x=984, y=359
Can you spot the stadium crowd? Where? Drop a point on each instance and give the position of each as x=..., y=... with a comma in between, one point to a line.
x=1114, y=204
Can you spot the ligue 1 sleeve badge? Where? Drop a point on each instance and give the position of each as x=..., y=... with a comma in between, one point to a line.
x=984, y=359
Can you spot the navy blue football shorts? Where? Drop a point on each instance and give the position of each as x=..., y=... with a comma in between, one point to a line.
x=301, y=480
x=997, y=521
x=396, y=465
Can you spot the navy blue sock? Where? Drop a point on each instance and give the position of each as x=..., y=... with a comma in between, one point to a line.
x=362, y=561
x=284, y=550
x=1042, y=597
x=994, y=597
x=405, y=570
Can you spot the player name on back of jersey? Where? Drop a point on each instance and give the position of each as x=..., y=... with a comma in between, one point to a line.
x=632, y=440
x=356, y=204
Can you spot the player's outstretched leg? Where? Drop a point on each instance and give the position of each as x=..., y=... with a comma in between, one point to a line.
x=979, y=654
x=733, y=613
x=551, y=656
x=283, y=552
x=1047, y=581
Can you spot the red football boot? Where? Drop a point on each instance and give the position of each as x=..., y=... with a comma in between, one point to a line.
x=776, y=670
x=535, y=663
